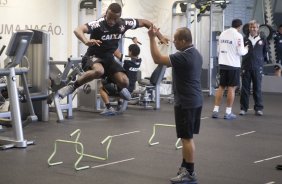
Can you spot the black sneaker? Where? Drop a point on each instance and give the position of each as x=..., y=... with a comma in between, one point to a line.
x=279, y=167
x=184, y=177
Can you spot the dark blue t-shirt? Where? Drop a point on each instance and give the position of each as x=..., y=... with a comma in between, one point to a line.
x=186, y=71
x=131, y=66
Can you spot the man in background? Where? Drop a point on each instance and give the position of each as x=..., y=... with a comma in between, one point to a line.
x=230, y=49
x=252, y=69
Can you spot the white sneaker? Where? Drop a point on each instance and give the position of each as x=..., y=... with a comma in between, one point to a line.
x=108, y=112
x=230, y=116
x=65, y=91
x=125, y=94
x=242, y=113
x=122, y=107
x=259, y=113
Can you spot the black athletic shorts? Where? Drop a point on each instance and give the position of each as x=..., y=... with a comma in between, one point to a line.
x=111, y=66
x=187, y=121
x=111, y=89
x=229, y=77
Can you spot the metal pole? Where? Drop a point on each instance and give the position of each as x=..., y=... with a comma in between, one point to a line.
x=99, y=8
x=210, y=53
x=188, y=15
x=15, y=109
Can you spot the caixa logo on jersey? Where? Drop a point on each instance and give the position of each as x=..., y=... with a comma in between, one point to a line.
x=133, y=69
x=111, y=37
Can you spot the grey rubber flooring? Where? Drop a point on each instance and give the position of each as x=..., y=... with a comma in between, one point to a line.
x=241, y=151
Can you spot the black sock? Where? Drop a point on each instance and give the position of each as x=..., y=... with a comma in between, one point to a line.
x=108, y=105
x=183, y=163
x=76, y=85
x=189, y=167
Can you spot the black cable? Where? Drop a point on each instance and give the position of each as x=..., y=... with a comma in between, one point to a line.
x=2, y=49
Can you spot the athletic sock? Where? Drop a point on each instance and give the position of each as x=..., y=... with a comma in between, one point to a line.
x=228, y=110
x=108, y=105
x=190, y=167
x=216, y=108
x=183, y=163
x=76, y=85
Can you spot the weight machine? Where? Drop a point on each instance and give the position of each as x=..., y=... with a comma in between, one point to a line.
x=60, y=79
x=17, y=48
x=88, y=97
x=37, y=78
x=148, y=94
x=203, y=17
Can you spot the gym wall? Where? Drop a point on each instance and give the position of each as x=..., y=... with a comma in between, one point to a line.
x=52, y=16
x=158, y=12
x=60, y=17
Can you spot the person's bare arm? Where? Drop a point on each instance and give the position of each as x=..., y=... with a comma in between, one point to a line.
x=80, y=34
x=118, y=54
x=147, y=24
x=156, y=55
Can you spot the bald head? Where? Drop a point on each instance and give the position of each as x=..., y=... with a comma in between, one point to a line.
x=184, y=34
x=182, y=38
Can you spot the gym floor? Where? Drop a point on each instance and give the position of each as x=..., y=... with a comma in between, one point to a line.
x=241, y=151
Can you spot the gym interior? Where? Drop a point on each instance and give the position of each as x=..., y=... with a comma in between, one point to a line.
x=69, y=141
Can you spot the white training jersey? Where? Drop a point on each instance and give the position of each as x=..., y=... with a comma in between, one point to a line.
x=230, y=48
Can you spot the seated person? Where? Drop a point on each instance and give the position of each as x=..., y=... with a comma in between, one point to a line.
x=131, y=65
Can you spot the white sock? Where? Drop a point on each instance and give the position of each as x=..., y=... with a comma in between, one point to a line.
x=228, y=110
x=216, y=108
